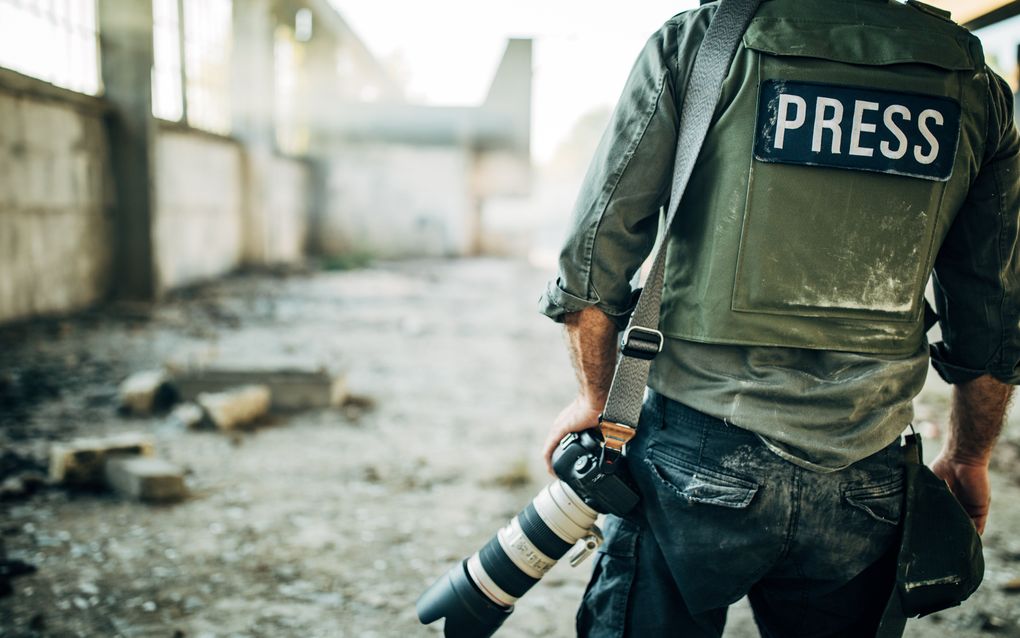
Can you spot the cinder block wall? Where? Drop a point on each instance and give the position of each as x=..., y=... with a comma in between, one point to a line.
x=55, y=230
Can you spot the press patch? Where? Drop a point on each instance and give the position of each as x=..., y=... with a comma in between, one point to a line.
x=857, y=128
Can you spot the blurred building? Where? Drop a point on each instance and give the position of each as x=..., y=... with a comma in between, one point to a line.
x=150, y=145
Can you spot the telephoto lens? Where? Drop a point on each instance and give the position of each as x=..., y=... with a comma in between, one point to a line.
x=478, y=594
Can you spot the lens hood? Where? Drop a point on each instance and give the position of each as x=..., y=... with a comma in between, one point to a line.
x=469, y=613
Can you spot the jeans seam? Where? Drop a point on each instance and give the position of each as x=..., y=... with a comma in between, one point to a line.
x=791, y=529
x=701, y=443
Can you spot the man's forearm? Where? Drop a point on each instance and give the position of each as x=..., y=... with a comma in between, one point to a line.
x=976, y=419
x=591, y=340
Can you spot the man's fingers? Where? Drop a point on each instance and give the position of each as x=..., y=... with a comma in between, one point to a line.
x=547, y=454
x=549, y=446
x=969, y=484
x=577, y=416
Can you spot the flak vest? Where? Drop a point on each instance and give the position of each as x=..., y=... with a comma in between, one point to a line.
x=844, y=143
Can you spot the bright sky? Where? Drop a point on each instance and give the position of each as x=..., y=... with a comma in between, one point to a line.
x=450, y=49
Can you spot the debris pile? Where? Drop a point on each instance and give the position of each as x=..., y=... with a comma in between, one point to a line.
x=292, y=388
x=123, y=463
x=229, y=397
x=221, y=397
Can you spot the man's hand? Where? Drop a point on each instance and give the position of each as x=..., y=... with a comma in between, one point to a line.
x=969, y=484
x=591, y=340
x=579, y=415
x=975, y=420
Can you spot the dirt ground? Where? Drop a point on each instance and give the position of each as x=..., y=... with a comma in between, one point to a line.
x=329, y=522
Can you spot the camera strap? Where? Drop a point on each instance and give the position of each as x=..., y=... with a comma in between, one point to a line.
x=642, y=339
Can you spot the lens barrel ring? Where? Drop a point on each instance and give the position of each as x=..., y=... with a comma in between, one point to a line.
x=503, y=571
x=541, y=535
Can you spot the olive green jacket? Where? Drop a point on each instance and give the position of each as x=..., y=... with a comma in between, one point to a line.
x=801, y=246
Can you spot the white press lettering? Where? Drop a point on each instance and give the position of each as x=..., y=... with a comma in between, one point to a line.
x=887, y=118
x=832, y=123
x=860, y=126
x=785, y=122
x=922, y=125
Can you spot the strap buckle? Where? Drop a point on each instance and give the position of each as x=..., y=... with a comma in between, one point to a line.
x=641, y=343
x=615, y=437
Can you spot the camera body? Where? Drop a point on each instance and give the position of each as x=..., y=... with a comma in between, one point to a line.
x=576, y=462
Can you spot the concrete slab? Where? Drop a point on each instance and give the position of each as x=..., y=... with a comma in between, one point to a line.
x=292, y=388
x=80, y=462
x=145, y=478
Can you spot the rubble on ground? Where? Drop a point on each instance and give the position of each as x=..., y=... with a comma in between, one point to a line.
x=235, y=408
x=81, y=462
x=146, y=479
x=146, y=392
x=291, y=388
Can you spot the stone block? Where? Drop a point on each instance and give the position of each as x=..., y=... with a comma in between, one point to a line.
x=291, y=388
x=236, y=408
x=145, y=478
x=144, y=392
x=80, y=462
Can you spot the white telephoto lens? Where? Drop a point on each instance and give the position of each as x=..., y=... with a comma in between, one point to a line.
x=564, y=512
x=486, y=584
x=528, y=558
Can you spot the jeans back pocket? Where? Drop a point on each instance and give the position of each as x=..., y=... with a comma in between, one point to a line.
x=881, y=499
x=696, y=484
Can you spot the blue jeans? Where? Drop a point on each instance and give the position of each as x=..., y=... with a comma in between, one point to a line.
x=722, y=516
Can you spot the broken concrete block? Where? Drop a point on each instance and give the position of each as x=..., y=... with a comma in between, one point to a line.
x=236, y=408
x=188, y=415
x=292, y=388
x=143, y=393
x=145, y=478
x=80, y=462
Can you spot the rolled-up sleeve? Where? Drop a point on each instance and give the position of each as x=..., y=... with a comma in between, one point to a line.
x=617, y=211
x=977, y=271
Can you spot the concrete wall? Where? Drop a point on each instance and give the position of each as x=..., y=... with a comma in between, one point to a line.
x=198, y=231
x=55, y=231
x=288, y=197
x=202, y=223
x=397, y=200
x=56, y=198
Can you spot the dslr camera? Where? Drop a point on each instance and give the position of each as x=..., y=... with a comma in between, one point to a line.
x=479, y=593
